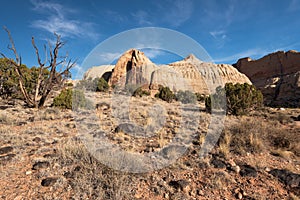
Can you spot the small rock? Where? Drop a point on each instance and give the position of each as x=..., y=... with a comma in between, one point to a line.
x=40, y=165
x=21, y=123
x=31, y=119
x=7, y=157
x=166, y=195
x=247, y=170
x=50, y=181
x=267, y=169
x=217, y=163
x=5, y=150
x=68, y=174
x=288, y=178
x=239, y=195
x=180, y=184
x=36, y=139
x=231, y=163
x=28, y=172
x=236, y=169
x=71, y=125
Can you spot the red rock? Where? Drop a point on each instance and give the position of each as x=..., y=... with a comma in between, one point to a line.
x=277, y=75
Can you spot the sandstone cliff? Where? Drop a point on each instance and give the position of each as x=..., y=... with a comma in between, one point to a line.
x=134, y=68
x=99, y=71
x=276, y=75
x=203, y=77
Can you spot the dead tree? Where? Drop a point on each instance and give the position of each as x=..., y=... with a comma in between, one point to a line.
x=43, y=84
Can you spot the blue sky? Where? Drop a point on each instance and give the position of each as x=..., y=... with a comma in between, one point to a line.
x=226, y=29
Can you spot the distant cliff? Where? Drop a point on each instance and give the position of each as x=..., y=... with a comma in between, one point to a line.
x=277, y=75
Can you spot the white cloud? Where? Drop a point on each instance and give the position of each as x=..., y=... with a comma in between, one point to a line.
x=58, y=22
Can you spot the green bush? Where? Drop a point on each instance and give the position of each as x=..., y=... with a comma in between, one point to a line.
x=186, y=97
x=97, y=84
x=139, y=92
x=165, y=94
x=240, y=99
x=87, y=84
x=102, y=85
x=216, y=100
x=9, y=82
x=71, y=99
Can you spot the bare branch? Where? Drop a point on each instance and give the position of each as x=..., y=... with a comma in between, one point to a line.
x=37, y=53
x=13, y=47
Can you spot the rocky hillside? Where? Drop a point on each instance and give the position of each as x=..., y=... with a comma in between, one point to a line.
x=277, y=75
x=134, y=68
x=42, y=155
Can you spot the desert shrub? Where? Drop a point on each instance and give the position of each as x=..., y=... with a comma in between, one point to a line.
x=71, y=99
x=87, y=84
x=69, y=84
x=243, y=137
x=9, y=83
x=200, y=97
x=240, y=98
x=102, y=85
x=216, y=100
x=8, y=79
x=186, y=97
x=165, y=94
x=139, y=92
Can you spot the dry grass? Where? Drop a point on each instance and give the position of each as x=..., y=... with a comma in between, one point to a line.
x=258, y=135
x=89, y=178
x=243, y=137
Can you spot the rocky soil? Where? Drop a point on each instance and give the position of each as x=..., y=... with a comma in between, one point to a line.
x=44, y=154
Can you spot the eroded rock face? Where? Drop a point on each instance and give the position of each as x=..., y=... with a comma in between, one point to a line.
x=277, y=75
x=104, y=71
x=203, y=77
x=134, y=68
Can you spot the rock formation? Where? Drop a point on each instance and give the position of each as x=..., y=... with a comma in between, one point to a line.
x=99, y=71
x=134, y=68
x=277, y=75
x=203, y=77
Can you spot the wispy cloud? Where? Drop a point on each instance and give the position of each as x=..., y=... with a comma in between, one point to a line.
x=220, y=37
x=294, y=5
x=218, y=34
x=58, y=22
x=115, y=16
x=179, y=12
x=109, y=56
x=248, y=53
x=153, y=53
x=142, y=17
